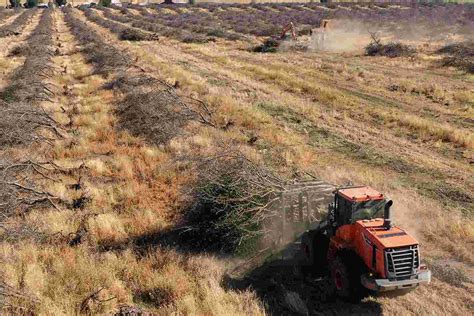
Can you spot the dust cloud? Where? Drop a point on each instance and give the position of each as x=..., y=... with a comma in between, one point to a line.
x=342, y=36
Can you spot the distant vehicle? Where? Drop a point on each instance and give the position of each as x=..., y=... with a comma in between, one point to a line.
x=42, y=5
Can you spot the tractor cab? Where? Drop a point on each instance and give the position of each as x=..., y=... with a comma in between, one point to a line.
x=358, y=203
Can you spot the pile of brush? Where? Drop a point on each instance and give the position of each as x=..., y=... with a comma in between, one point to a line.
x=229, y=204
x=269, y=46
x=392, y=49
x=459, y=55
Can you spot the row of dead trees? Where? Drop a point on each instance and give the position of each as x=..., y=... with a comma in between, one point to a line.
x=24, y=122
x=124, y=32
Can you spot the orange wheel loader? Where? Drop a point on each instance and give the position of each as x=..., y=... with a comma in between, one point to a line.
x=358, y=250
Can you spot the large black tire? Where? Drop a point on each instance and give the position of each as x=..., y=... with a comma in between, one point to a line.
x=346, y=270
x=314, y=249
x=320, y=254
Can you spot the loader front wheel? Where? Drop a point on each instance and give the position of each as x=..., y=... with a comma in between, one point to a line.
x=346, y=270
x=324, y=289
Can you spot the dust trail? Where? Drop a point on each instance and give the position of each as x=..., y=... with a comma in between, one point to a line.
x=353, y=35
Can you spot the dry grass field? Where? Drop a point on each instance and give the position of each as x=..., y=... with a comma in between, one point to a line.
x=110, y=116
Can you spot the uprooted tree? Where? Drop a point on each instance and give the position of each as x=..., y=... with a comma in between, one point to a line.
x=229, y=204
x=20, y=194
x=153, y=110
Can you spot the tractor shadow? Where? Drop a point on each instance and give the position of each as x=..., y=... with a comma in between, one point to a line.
x=278, y=282
x=285, y=290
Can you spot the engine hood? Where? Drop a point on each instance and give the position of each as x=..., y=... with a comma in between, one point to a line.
x=387, y=238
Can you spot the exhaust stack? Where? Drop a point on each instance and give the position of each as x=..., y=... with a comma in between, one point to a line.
x=387, y=223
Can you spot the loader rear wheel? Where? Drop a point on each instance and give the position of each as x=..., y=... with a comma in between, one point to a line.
x=346, y=270
x=314, y=248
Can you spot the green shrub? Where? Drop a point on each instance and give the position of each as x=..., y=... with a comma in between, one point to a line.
x=216, y=32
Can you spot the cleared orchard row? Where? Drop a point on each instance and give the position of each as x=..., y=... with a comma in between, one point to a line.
x=28, y=86
x=17, y=25
x=390, y=154
x=148, y=23
x=233, y=22
x=338, y=100
x=24, y=122
x=151, y=108
x=372, y=112
x=203, y=23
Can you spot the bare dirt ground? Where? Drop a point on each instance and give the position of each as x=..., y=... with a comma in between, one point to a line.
x=402, y=125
